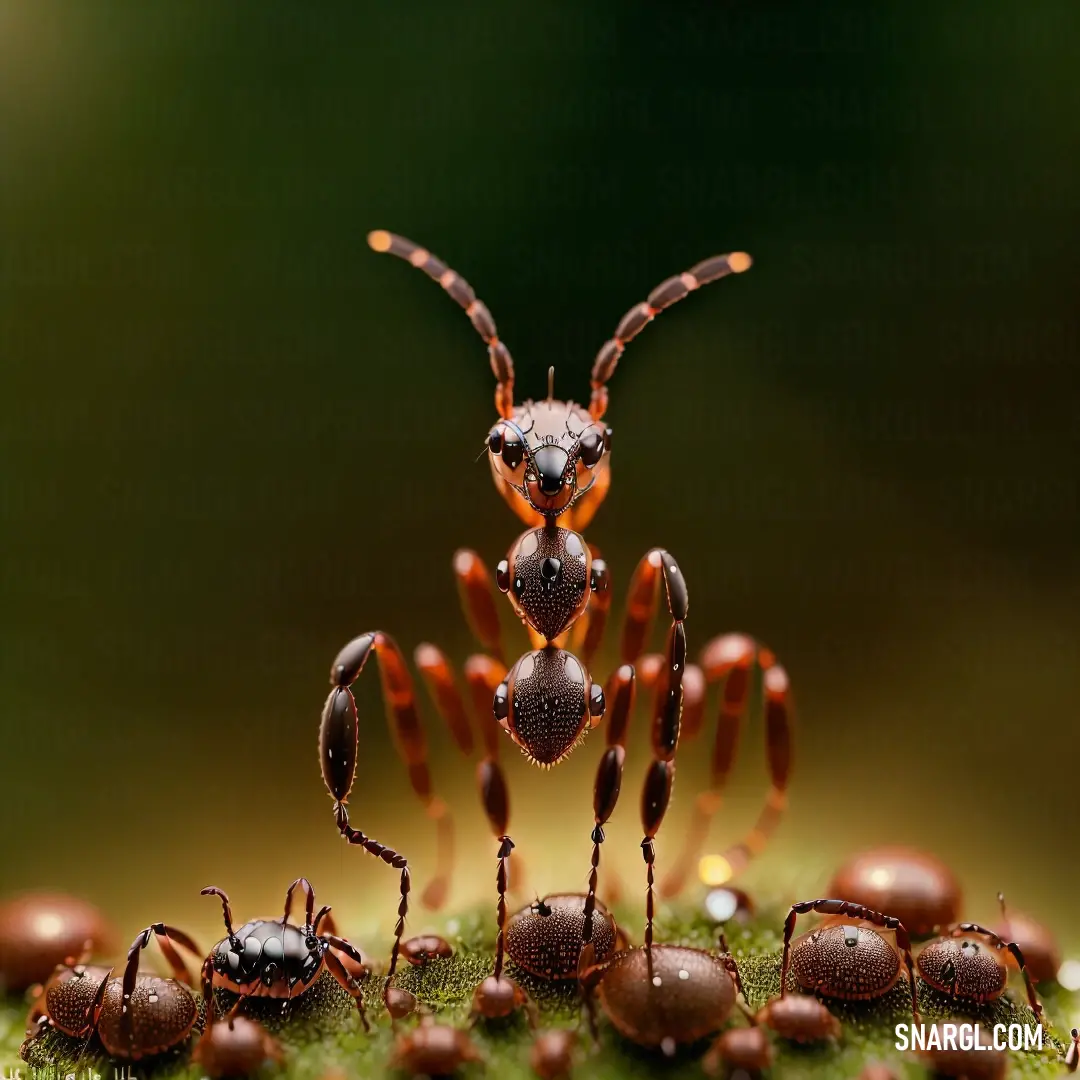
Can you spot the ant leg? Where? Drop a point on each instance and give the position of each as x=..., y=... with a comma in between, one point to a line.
x=93, y=1014
x=855, y=911
x=484, y=675
x=161, y=932
x=638, y=317
x=609, y=772
x=589, y=975
x=589, y=630
x=325, y=920
x=345, y=980
x=338, y=749
x=496, y=800
x=642, y=598
x=667, y=713
x=339, y=734
x=438, y=677
x=731, y=659
x=476, y=590
x=304, y=885
x=207, y=981
x=962, y=929
x=226, y=909
x=502, y=365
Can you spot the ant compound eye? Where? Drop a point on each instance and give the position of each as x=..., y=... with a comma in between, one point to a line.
x=495, y=441
x=513, y=450
x=591, y=448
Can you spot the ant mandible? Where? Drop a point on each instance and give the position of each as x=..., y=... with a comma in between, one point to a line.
x=550, y=461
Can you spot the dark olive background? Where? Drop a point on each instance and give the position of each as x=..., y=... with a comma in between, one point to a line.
x=233, y=437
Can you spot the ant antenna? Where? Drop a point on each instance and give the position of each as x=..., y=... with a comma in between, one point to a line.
x=551, y=384
x=460, y=291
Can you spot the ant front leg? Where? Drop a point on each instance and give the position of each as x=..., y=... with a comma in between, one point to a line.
x=854, y=911
x=730, y=659
x=339, y=746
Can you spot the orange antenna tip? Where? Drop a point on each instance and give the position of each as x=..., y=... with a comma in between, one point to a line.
x=739, y=261
x=379, y=240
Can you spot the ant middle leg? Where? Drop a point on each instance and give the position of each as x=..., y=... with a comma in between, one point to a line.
x=730, y=659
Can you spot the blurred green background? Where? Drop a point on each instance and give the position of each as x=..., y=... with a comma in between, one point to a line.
x=232, y=437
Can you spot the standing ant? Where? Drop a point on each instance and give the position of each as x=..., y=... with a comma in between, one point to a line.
x=274, y=958
x=848, y=958
x=550, y=461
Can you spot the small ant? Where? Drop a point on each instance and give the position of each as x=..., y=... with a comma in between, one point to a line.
x=134, y=1016
x=970, y=963
x=274, y=958
x=550, y=461
x=847, y=958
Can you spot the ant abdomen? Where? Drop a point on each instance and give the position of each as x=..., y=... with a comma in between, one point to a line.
x=547, y=576
x=546, y=703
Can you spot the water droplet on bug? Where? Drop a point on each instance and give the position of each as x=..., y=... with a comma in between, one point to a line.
x=684, y=974
x=657, y=981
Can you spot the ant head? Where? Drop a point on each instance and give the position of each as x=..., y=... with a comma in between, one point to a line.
x=550, y=453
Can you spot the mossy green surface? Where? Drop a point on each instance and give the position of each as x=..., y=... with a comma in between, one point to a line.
x=321, y=1032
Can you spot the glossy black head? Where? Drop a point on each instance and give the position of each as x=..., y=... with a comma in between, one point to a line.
x=264, y=951
x=550, y=453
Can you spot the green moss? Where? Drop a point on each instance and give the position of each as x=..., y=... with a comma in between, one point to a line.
x=321, y=1032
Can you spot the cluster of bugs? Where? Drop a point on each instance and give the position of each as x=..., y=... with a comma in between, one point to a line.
x=551, y=462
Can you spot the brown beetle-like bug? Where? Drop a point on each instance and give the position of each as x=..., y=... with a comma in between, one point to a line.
x=275, y=958
x=745, y=1049
x=971, y=963
x=799, y=1018
x=552, y=1054
x=912, y=886
x=237, y=1049
x=39, y=931
x=545, y=938
x=662, y=996
x=849, y=959
x=433, y=1050
x=550, y=461
x=420, y=950
x=135, y=1016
